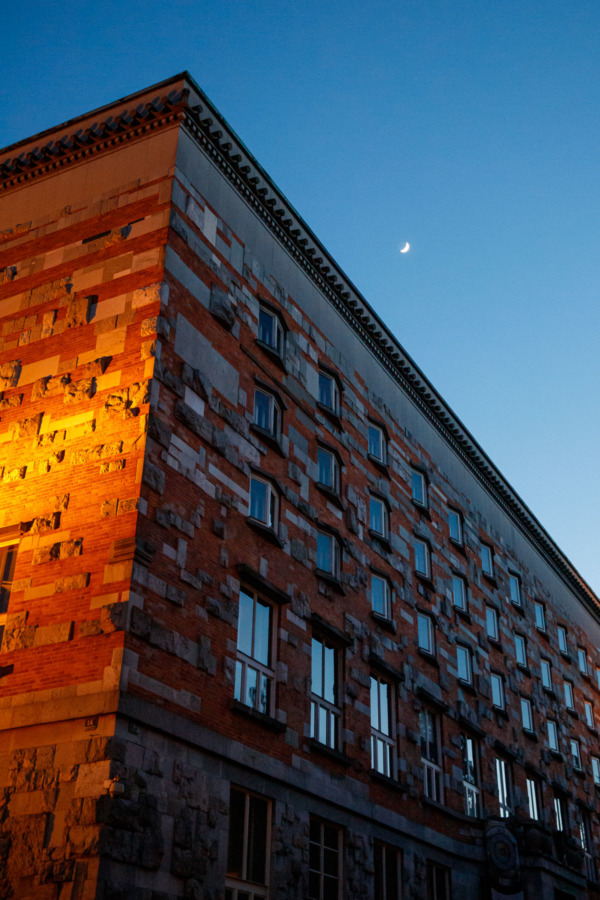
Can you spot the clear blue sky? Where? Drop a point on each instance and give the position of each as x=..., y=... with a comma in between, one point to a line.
x=470, y=129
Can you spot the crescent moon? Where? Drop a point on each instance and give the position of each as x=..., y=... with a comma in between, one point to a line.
x=406, y=248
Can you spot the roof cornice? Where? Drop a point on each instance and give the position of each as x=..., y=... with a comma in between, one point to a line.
x=213, y=134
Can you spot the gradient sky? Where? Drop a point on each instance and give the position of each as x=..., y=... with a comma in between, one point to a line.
x=470, y=129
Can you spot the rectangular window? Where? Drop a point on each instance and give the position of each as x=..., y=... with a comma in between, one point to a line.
x=254, y=675
x=503, y=786
x=464, y=664
x=325, y=714
x=419, y=488
x=328, y=392
x=388, y=872
x=497, y=690
x=438, y=881
x=329, y=470
x=515, y=590
x=540, y=616
x=378, y=516
x=324, y=860
x=487, y=559
x=267, y=414
x=381, y=596
x=248, y=846
x=598, y=677
x=377, y=443
x=552, y=735
x=575, y=753
x=560, y=813
x=425, y=633
x=328, y=554
x=470, y=765
x=455, y=526
x=491, y=623
x=596, y=770
x=568, y=687
x=382, y=727
x=582, y=660
x=422, y=564
x=585, y=840
x=562, y=639
x=533, y=798
x=459, y=592
x=526, y=714
x=589, y=714
x=546, y=674
x=269, y=330
x=263, y=502
x=8, y=559
x=431, y=755
x=521, y=650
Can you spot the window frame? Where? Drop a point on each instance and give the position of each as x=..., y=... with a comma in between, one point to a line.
x=430, y=630
x=546, y=673
x=582, y=660
x=265, y=671
x=527, y=715
x=494, y=611
x=540, y=616
x=332, y=379
x=534, y=798
x=595, y=763
x=521, y=650
x=464, y=664
x=272, y=502
x=497, y=679
x=588, y=711
x=275, y=413
x=563, y=641
x=515, y=590
x=384, y=532
x=278, y=346
x=8, y=564
x=383, y=742
x=431, y=755
x=458, y=579
x=489, y=572
x=325, y=711
x=436, y=873
x=387, y=882
x=335, y=469
x=418, y=477
x=381, y=457
x=553, y=739
x=242, y=883
x=575, y=754
x=460, y=540
x=387, y=596
x=569, y=694
x=503, y=787
x=471, y=776
x=335, y=555
x=426, y=571
x=560, y=812
x=320, y=871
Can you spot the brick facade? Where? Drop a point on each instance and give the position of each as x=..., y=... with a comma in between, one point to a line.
x=220, y=472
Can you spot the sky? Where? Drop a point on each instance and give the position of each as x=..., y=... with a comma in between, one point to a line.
x=470, y=129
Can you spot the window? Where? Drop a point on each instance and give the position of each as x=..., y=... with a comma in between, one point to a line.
x=464, y=664
x=438, y=881
x=248, y=846
x=497, y=690
x=419, y=488
x=431, y=755
x=546, y=674
x=552, y=735
x=491, y=623
x=455, y=526
x=382, y=740
x=324, y=860
x=487, y=559
x=459, y=592
x=267, y=414
x=533, y=798
x=378, y=516
x=521, y=650
x=585, y=839
x=254, y=675
x=422, y=563
x=526, y=714
x=540, y=616
x=329, y=392
x=325, y=714
x=560, y=813
x=377, y=443
x=589, y=714
x=270, y=331
x=562, y=639
x=425, y=633
x=388, y=872
x=598, y=677
x=470, y=766
x=264, y=502
x=8, y=558
x=568, y=688
x=503, y=787
x=381, y=596
x=328, y=554
x=582, y=660
x=575, y=753
x=596, y=770
x=328, y=470
x=515, y=590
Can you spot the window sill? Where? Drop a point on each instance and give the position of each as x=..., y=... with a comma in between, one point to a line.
x=330, y=494
x=424, y=510
x=267, y=532
x=573, y=713
x=458, y=545
x=491, y=579
x=261, y=718
x=448, y=811
x=381, y=465
x=556, y=754
x=495, y=643
x=463, y=613
x=524, y=669
x=268, y=438
x=501, y=713
x=330, y=579
x=380, y=778
x=329, y=752
x=565, y=656
x=425, y=580
x=543, y=633
x=531, y=735
x=518, y=608
x=272, y=353
x=332, y=414
x=467, y=686
x=384, y=622
x=429, y=657
x=549, y=692
x=381, y=539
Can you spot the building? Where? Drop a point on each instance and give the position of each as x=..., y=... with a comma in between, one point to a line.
x=274, y=626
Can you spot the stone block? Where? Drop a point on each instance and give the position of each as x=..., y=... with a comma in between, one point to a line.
x=9, y=374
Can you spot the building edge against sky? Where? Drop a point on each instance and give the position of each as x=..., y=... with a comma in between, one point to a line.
x=229, y=496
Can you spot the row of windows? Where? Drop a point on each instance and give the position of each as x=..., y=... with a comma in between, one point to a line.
x=249, y=853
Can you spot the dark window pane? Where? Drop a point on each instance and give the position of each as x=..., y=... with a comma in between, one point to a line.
x=257, y=840
x=235, y=847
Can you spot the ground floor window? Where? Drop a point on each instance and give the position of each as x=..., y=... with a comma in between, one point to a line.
x=388, y=872
x=248, y=846
x=324, y=877
x=438, y=881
